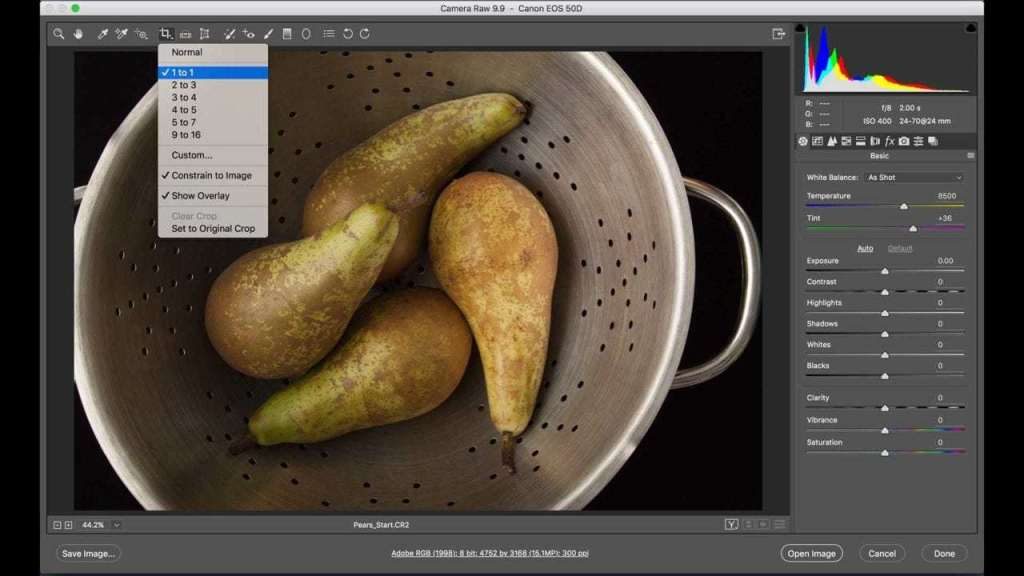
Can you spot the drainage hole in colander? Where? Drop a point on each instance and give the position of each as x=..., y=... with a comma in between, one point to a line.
x=630, y=325
x=416, y=485
x=209, y=394
x=564, y=397
x=191, y=276
x=547, y=384
x=117, y=311
x=227, y=437
x=519, y=440
x=599, y=302
x=295, y=180
x=517, y=173
x=480, y=408
x=302, y=447
x=493, y=441
x=493, y=476
x=280, y=132
x=284, y=464
x=536, y=468
x=227, y=408
x=182, y=351
x=415, y=106
x=574, y=428
x=654, y=304
x=173, y=329
x=544, y=426
x=345, y=53
x=539, y=166
x=522, y=157
x=406, y=501
x=245, y=420
x=630, y=346
x=388, y=60
x=370, y=67
x=325, y=503
x=618, y=263
x=612, y=291
x=121, y=254
x=600, y=223
x=611, y=243
x=598, y=269
x=624, y=282
x=645, y=258
x=368, y=107
x=645, y=296
x=556, y=175
x=145, y=296
x=323, y=454
x=246, y=476
x=579, y=384
x=450, y=504
x=149, y=330
x=450, y=84
x=628, y=301
x=504, y=150
x=408, y=54
x=524, y=140
x=295, y=481
x=629, y=236
x=209, y=438
x=602, y=347
x=572, y=185
x=349, y=76
x=134, y=267
x=654, y=245
x=270, y=150
x=145, y=351
x=406, y=89
x=248, y=394
x=472, y=449
x=281, y=220
x=397, y=74
x=430, y=74
x=366, y=484
x=373, y=500
x=583, y=313
x=152, y=222
x=611, y=326
x=153, y=246
x=159, y=289
x=318, y=145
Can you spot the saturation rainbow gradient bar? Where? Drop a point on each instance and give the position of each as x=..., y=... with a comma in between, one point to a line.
x=825, y=71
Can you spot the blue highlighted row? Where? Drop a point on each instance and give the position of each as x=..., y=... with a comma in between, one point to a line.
x=211, y=73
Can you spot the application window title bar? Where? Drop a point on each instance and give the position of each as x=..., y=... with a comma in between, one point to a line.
x=513, y=8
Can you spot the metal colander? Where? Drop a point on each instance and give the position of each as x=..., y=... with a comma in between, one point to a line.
x=165, y=407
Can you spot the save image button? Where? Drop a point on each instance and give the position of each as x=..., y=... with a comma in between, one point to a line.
x=810, y=553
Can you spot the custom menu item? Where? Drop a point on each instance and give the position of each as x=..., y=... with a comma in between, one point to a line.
x=212, y=169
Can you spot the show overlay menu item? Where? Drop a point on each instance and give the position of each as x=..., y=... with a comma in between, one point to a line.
x=212, y=176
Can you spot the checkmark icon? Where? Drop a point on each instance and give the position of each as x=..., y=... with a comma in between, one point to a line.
x=166, y=70
x=164, y=175
x=165, y=195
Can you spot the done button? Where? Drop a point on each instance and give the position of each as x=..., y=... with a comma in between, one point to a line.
x=944, y=553
x=809, y=553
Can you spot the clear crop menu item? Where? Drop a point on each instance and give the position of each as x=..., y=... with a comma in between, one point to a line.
x=212, y=174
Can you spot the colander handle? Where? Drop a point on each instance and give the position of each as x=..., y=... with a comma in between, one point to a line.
x=751, y=260
x=79, y=194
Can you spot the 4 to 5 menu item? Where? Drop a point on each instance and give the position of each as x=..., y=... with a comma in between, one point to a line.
x=213, y=156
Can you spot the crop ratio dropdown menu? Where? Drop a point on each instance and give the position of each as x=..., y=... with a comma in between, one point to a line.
x=212, y=172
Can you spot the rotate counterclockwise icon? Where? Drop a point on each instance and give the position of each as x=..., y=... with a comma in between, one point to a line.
x=306, y=34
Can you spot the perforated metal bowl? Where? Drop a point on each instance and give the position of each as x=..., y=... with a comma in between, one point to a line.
x=164, y=406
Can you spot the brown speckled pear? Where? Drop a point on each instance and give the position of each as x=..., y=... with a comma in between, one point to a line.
x=278, y=310
x=494, y=251
x=406, y=164
x=403, y=355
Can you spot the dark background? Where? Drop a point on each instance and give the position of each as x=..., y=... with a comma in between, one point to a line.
x=704, y=449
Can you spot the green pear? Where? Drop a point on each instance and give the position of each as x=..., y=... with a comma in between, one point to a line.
x=494, y=251
x=403, y=355
x=406, y=164
x=278, y=310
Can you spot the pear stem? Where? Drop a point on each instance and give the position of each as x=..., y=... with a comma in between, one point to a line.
x=243, y=444
x=508, y=450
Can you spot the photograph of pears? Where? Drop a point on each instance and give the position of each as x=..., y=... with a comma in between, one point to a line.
x=296, y=309
x=476, y=285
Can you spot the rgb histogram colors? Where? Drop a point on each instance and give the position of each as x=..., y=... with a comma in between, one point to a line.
x=825, y=71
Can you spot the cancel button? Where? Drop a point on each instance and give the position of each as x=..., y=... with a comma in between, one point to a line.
x=812, y=553
x=882, y=553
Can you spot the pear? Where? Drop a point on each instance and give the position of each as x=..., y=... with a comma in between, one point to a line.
x=278, y=310
x=403, y=355
x=494, y=251
x=406, y=164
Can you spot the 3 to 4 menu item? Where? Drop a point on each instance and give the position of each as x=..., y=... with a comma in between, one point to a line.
x=212, y=175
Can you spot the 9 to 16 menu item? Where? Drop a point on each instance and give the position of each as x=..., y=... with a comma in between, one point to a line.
x=212, y=175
